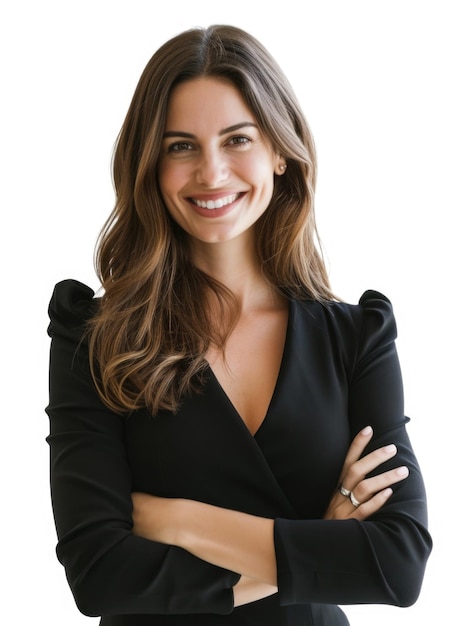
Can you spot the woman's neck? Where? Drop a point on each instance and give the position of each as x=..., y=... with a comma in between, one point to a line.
x=235, y=264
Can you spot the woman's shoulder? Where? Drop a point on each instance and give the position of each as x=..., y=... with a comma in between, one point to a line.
x=377, y=314
x=370, y=301
x=374, y=311
x=371, y=322
x=71, y=306
x=370, y=319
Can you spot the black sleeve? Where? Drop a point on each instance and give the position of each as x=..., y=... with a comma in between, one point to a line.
x=109, y=570
x=382, y=559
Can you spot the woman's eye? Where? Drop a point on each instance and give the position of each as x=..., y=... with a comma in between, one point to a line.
x=180, y=146
x=239, y=140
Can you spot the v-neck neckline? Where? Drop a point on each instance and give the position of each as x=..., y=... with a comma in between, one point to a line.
x=278, y=380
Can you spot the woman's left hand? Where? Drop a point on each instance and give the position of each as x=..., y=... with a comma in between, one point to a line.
x=363, y=496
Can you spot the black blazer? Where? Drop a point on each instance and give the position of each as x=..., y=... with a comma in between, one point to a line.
x=339, y=373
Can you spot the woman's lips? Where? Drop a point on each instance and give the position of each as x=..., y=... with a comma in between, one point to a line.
x=216, y=203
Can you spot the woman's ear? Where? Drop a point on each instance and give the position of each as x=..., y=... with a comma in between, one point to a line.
x=281, y=167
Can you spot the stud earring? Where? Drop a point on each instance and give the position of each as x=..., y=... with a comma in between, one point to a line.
x=282, y=167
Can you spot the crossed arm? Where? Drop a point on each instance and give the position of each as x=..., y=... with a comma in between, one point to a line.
x=244, y=543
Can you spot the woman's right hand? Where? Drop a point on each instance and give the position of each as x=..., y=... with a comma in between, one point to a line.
x=364, y=496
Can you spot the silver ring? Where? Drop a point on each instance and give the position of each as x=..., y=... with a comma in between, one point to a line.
x=344, y=492
x=353, y=500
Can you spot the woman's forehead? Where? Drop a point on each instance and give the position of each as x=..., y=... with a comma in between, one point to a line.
x=205, y=103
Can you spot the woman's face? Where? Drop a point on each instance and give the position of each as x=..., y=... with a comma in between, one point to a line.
x=216, y=168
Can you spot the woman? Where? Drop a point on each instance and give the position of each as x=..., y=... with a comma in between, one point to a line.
x=228, y=440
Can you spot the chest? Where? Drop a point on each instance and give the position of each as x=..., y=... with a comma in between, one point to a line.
x=248, y=370
x=292, y=463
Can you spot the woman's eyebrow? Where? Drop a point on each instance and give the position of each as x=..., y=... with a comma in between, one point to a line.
x=231, y=129
x=224, y=131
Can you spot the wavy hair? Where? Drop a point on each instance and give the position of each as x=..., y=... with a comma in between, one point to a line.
x=149, y=337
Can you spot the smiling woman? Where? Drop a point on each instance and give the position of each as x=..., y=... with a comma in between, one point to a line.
x=228, y=440
x=216, y=174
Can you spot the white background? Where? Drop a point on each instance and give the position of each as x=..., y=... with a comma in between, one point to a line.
x=385, y=86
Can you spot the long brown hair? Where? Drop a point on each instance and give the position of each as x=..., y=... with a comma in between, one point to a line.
x=149, y=337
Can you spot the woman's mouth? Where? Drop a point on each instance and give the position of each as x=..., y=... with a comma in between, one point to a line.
x=216, y=204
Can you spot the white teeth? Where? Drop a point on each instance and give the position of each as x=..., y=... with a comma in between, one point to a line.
x=216, y=204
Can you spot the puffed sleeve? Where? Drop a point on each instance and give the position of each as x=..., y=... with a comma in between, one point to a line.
x=380, y=560
x=109, y=570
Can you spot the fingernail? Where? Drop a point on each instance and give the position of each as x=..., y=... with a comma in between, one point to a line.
x=367, y=430
x=402, y=471
x=391, y=449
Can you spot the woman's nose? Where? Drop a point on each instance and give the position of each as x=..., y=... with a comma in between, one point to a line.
x=211, y=169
